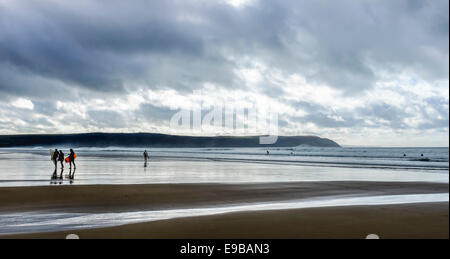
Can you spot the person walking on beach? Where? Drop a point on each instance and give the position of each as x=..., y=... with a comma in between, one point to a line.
x=61, y=158
x=72, y=159
x=145, y=157
x=55, y=158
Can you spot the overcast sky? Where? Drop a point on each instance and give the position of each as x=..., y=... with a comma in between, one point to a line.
x=359, y=72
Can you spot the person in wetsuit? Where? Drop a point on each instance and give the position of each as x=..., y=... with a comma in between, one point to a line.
x=61, y=158
x=55, y=157
x=72, y=159
x=145, y=158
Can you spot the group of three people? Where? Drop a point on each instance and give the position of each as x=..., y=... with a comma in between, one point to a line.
x=58, y=156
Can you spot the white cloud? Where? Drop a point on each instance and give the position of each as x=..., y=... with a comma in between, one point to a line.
x=239, y=3
x=23, y=104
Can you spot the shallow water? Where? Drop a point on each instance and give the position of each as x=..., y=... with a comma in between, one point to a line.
x=33, y=169
x=30, y=222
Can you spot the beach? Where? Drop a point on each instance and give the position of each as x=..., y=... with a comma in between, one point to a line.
x=416, y=220
x=428, y=220
x=233, y=193
x=107, y=198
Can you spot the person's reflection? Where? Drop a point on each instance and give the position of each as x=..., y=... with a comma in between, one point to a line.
x=72, y=175
x=54, y=177
x=61, y=174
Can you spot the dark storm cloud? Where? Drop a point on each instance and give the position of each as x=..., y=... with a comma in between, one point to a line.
x=102, y=47
x=15, y=82
x=99, y=46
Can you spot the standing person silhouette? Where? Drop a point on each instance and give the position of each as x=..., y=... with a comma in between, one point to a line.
x=72, y=159
x=145, y=158
x=55, y=158
x=61, y=158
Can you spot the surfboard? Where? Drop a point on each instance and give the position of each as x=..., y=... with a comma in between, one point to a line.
x=51, y=154
x=68, y=158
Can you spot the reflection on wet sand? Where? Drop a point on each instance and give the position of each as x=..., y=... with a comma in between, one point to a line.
x=55, y=179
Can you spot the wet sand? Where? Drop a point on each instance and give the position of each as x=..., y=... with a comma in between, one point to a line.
x=421, y=220
x=115, y=198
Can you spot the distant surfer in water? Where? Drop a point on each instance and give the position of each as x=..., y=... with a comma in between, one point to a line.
x=55, y=158
x=61, y=158
x=145, y=157
x=72, y=159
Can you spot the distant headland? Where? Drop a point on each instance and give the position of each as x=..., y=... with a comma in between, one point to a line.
x=155, y=140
